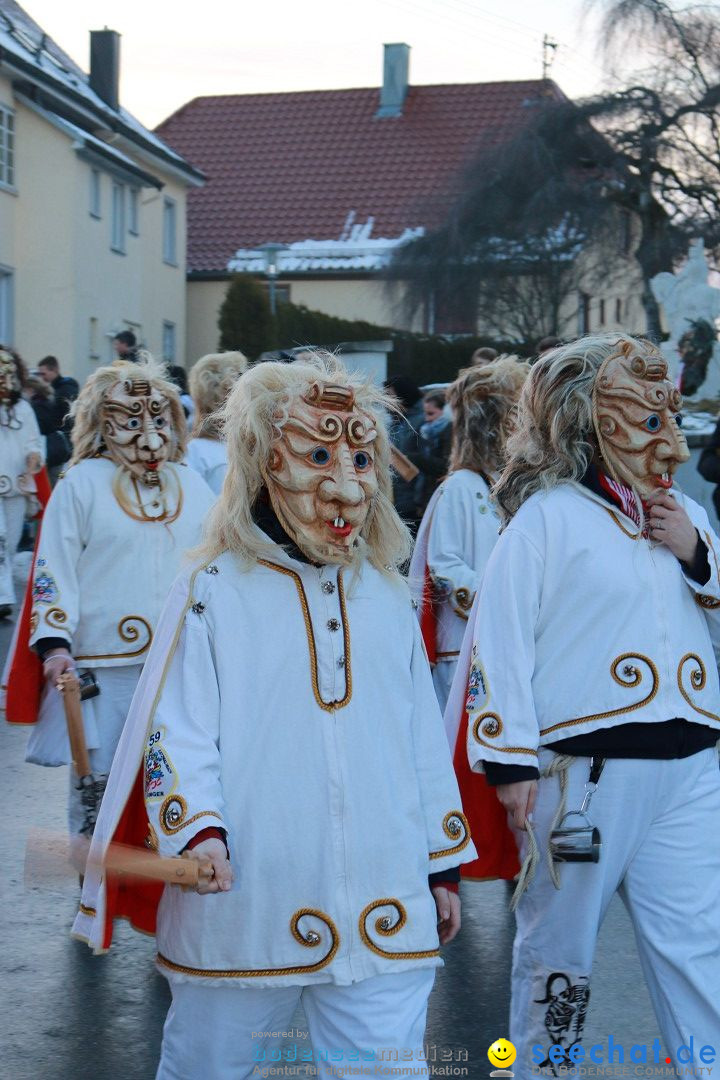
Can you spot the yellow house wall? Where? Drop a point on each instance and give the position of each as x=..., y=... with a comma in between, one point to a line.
x=8, y=200
x=203, y=305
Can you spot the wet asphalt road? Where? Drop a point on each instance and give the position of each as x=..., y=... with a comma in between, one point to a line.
x=66, y=1015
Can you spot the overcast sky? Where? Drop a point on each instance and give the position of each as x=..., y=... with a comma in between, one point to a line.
x=175, y=51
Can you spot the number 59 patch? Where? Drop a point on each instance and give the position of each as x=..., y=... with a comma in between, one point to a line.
x=160, y=775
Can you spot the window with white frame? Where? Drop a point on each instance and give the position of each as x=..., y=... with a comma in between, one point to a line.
x=7, y=147
x=170, y=232
x=117, y=237
x=134, y=212
x=168, y=342
x=95, y=205
x=6, y=306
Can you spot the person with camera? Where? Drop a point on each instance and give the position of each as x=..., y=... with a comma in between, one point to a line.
x=592, y=695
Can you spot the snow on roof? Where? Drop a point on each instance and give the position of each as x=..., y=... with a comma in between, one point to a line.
x=355, y=250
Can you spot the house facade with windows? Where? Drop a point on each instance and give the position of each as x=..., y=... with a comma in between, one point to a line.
x=316, y=190
x=92, y=207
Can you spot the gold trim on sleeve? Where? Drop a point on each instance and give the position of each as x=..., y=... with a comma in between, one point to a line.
x=57, y=618
x=455, y=826
x=173, y=813
x=310, y=939
x=461, y=601
x=386, y=927
x=630, y=677
x=707, y=602
x=130, y=633
x=698, y=678
x=492, y=720
x=328, y=706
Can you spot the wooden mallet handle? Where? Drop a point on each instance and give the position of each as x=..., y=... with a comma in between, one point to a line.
x=69, y=686
x=130, y=862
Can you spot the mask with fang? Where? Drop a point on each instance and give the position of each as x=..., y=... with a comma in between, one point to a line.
x=321, y=475
x=9, y=381
x=636, y=416
x=137, y=428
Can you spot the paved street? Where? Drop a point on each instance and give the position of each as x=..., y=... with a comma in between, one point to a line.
x=66, y=1014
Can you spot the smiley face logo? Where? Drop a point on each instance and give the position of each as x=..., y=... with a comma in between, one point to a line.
x=502, y=1053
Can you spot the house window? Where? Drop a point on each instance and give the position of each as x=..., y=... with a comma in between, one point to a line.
x=583, y=313
x=6, y=306
x=168, y=342
x=93, y=339
x=618, y=310
x=134, y=212
x=7, y=147
x=95, y=193
x=117, y=242
x=170, y=232
x=601, y=312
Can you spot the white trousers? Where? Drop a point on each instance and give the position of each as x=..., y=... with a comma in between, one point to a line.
x=443, y=674
x=104, y=717
x=12, y=517
x=660, y=827
x=225, y=1032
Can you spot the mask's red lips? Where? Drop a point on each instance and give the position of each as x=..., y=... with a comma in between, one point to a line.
x=340, y=527
x=152, y=465
x=664, y=481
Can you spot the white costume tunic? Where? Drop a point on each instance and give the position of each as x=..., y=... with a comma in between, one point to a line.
x=457, y=534
x=101, y=579
x=276, y=705
x=19, y=436
x=583, y=624
x=208, y=457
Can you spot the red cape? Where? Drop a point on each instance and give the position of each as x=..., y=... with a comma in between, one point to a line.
x=24, y=680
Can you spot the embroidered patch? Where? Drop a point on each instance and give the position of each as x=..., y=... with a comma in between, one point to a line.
x=477, y=694
x=45, y=590
x=160, y=775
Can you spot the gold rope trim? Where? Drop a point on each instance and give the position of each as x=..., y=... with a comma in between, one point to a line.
x=455, y=825
x=632, y=677
x=56, y=618
x=328, y=706
x=493, y=717
x=446, y=655
x=387, y=928
x=172, y=818
x=128, y=633
x=461, y=601
x=87, y=911
x=161, y=492
x=618, y=522
x=311, y=939
x=698, y=678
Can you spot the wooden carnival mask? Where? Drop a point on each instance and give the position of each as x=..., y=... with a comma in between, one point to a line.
x=137, y=428
x=9, y=381
x=321, y=475
x=636, y=415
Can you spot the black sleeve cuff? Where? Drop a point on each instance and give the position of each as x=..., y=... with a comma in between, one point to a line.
x=47, y=644
x=509, y=774
x=699, y=568
x=453, y=874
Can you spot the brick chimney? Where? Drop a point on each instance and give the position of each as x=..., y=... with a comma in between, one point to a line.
x=396, y=67
x=105, y=66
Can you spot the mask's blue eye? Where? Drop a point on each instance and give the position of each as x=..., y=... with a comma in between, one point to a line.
x=678, y=419
x=653, y=422
x=320, y=455
x=362, y=460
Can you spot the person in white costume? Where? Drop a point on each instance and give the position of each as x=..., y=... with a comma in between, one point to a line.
x=593, y=665
x=460, y=526
x=21, y=456
x=113, y=538
x=211, y=380
x=292, y=736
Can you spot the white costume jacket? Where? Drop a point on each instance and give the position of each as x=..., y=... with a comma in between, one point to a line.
x=101, y=576
x=19, y=436
x=457, y=534
x=581, y=624
x=208, y=457
x=297, y=712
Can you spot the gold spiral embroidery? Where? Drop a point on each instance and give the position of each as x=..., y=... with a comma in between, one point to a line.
x=311, y=939
x=491, y=719
x=130, y=633
x=707, y=602
x=386, y=927
x=698, y=679
x=461, y=602
x=56, y=618
x=630, y=677
x=173, y=814
x=455, y=826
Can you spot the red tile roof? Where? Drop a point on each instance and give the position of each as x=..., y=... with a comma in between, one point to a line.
x=292, y=166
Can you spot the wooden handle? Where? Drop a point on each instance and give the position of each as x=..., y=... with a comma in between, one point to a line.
x=402, y=465
x=69, y=686
x=131, y=862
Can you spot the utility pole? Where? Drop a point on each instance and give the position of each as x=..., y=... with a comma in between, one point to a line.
x=548, y=55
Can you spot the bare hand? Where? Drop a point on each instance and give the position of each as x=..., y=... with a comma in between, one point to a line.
x=671, y=526
x=55, y=664
x=519, y=801
x=214, y=850
x=33, y=462
x=448, y=911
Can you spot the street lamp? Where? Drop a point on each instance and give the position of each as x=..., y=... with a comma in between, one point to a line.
x=271, y=251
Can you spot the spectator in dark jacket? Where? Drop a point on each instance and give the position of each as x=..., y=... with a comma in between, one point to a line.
x=126, y=346
x=435, y=443
x=50, y=414
x=405, y=436
x=65, y=389
x=709, y=466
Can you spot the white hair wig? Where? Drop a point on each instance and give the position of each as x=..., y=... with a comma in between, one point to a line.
x=483, y=400
x=211, y=380
x=252, y=420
